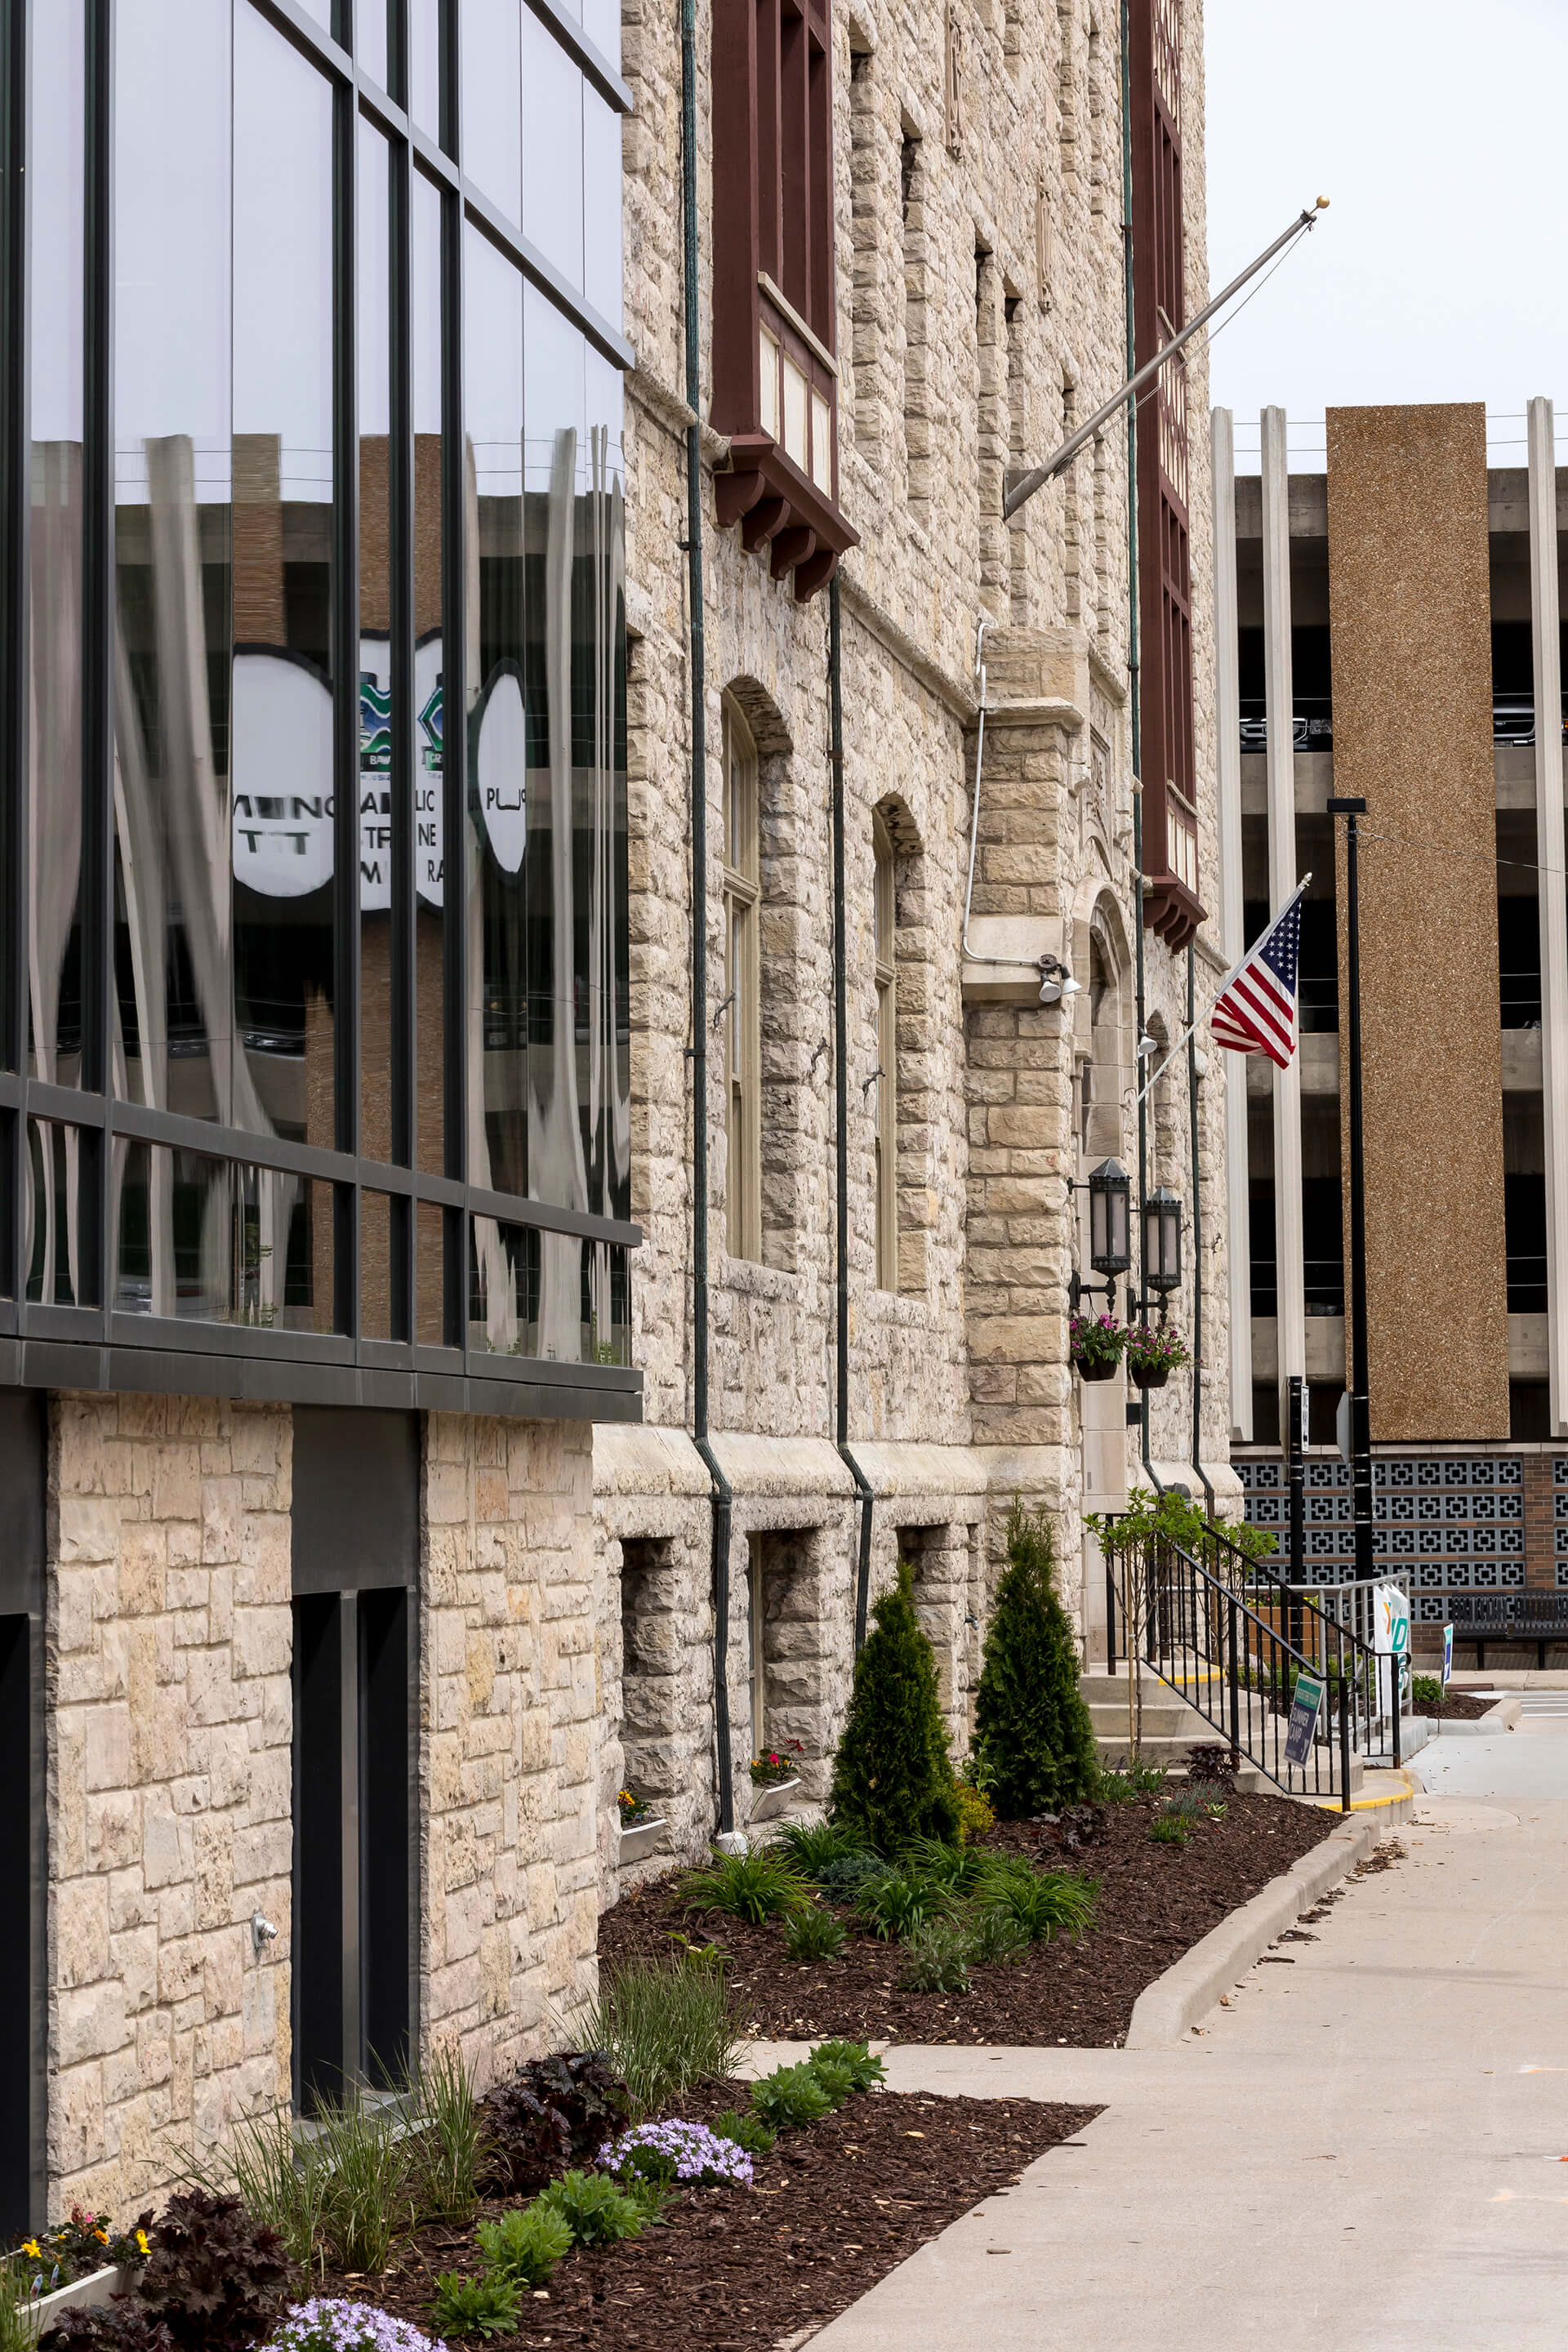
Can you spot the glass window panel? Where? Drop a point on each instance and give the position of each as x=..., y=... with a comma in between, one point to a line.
x=321, y=10
x=495, y=830
x=429, y=572
x=429, y=1288
x=560, y=1142
x=375, y=782
x=612, y=981
x=602, y=205
x=551, y=149
x=51, y=1212
x=425, y=65
x=370, y=37
x=203, y=1240
x=821, y=443
x=492, y=101
x=54, y=733
x=794, y=398
x=376, y=1227
x=283, y=714
x=172, y=1046
x=504, y=1270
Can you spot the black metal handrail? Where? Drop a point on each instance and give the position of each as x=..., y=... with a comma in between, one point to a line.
x=1231, y=1640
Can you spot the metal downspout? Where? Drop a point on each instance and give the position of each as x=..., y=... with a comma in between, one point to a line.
x=722, y=1493
x=1133, y=657
x=841, y=1079
x=1197, y=1242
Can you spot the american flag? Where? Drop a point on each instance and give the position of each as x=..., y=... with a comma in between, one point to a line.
x=1255, y=1012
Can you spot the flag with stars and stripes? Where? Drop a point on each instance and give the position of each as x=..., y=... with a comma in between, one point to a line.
x=1255, y=1012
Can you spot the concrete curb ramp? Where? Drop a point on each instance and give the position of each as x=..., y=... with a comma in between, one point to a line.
x=1166, y=2010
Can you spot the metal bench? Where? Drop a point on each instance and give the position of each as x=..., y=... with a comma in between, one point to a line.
x=1483, y=1617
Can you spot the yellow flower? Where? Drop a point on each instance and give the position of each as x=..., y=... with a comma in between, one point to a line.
x=30, y=2246
x=142, y=2242
x=103, y=2236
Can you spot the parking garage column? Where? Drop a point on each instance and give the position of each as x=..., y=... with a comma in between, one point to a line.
x=1545, y=603
x=1228, y=727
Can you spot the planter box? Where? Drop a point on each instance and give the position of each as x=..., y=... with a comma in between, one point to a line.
x=642, y=1839
x=772, y=1798
x=97, y=2290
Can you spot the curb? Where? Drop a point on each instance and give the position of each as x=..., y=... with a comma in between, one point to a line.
x=1503, y=1716
x=1165, y=2010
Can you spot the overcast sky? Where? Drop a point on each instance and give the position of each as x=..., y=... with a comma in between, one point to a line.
x=1435, y=128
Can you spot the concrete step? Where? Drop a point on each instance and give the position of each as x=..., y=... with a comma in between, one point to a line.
x=1172, y=1728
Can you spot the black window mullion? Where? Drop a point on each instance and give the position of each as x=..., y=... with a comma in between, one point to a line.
x=397, y=49
x=14, y=516
x=454, y=743
x=345, y=704
x=404, y=944
x=97, y=637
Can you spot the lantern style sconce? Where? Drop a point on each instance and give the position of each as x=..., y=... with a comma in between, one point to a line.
x=1162, y=1243
x=1109, y=1237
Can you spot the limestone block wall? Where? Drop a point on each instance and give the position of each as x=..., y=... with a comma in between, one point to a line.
x=169, y=1725
x=511, y=1765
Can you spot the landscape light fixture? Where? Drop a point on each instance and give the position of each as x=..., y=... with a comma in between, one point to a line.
x=1162, y=1242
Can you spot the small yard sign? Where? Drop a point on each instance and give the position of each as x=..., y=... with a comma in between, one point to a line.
x=1305, y=1701
x=1448, y=1654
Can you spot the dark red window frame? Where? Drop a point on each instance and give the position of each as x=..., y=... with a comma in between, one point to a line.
x=773, y=285
x=1167, y=756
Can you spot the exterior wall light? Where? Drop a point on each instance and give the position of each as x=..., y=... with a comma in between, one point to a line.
x=1109, y=1237
x=1162, y=1242
x=1057, y=980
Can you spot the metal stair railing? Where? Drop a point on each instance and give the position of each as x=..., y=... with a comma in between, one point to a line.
x=1204, y=1635
x=1318, y=1626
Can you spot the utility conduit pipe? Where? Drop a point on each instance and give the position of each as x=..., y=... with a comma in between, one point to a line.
x=723, y=1495
x=841, y=1054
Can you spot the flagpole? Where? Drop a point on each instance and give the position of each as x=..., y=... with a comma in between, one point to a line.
x=1192, y=1026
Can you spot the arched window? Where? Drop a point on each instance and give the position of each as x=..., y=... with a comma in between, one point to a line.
x=887, y=1083
x=742, y=1027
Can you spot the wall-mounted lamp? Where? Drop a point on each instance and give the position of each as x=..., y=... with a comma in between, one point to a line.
x=1057, y=980
x=1110, y=1190
x=1162, y=1242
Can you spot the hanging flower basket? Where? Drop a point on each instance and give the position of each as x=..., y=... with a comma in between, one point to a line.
x=1096, y=1343
x=1153, y=1353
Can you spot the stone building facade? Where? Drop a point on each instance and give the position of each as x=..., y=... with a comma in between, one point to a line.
x=366, y=1510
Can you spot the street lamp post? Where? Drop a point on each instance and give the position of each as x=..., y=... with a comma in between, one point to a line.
x=1360, y=1411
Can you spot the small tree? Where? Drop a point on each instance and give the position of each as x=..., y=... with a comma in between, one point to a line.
x=1034, y=1741
x=893, y=1778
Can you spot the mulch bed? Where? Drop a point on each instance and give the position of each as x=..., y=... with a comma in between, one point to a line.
x=832, y=2210
x=1458, y=1706
x=1155, y=1902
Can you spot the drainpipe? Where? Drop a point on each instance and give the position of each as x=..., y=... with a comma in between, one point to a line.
x=1134, y=706
x=1197, y=1244
x=841, y=1072
x=722, y=1493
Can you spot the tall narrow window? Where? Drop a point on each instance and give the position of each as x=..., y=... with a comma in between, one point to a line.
x=742, y=1025
x=887, y=1085
x=356, y=1558
x=756, y=1659
x=917, y=407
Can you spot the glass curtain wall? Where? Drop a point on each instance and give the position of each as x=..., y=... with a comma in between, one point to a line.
x=343, y=1004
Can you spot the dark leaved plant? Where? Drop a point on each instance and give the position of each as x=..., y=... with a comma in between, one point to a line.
x=553, y=2113
x=216, y=2277
x=124, y=2327
x=1034, y=1741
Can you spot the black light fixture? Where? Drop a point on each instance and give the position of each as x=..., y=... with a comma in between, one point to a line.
x=1109, y=1237
x=1162, y=1242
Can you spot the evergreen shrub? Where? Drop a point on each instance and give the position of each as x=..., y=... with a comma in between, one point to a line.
x=893, y=1778
x=1034, y=1741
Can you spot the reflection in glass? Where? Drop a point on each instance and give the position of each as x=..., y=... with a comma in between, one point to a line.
x=605, y=398
x=560, y=1108
x=203, y=1239
x=429, y=1276
x=375, y=1275
x=551, y=149
x=425, y=65
x=429, y=572
x=495, y=829
x=492, y=101
x=602, y=205
x=375, y=777
x=171, y=1041
x=54, y=718
x=512, y=1271
x=50, y=1214
x=282, y=717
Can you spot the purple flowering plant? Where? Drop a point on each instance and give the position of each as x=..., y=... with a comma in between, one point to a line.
x=1097, y=1338
x=331, y=2324
x=1156, y=1348
x=676, y=2152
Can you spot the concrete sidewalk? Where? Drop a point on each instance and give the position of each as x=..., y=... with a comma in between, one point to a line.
x=1369, y=2147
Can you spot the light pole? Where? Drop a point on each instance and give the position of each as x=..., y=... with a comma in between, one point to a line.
x=1360, y=1411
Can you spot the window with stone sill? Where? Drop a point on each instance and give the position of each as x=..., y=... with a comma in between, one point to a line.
x=775, y=375
x=885, y=1084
